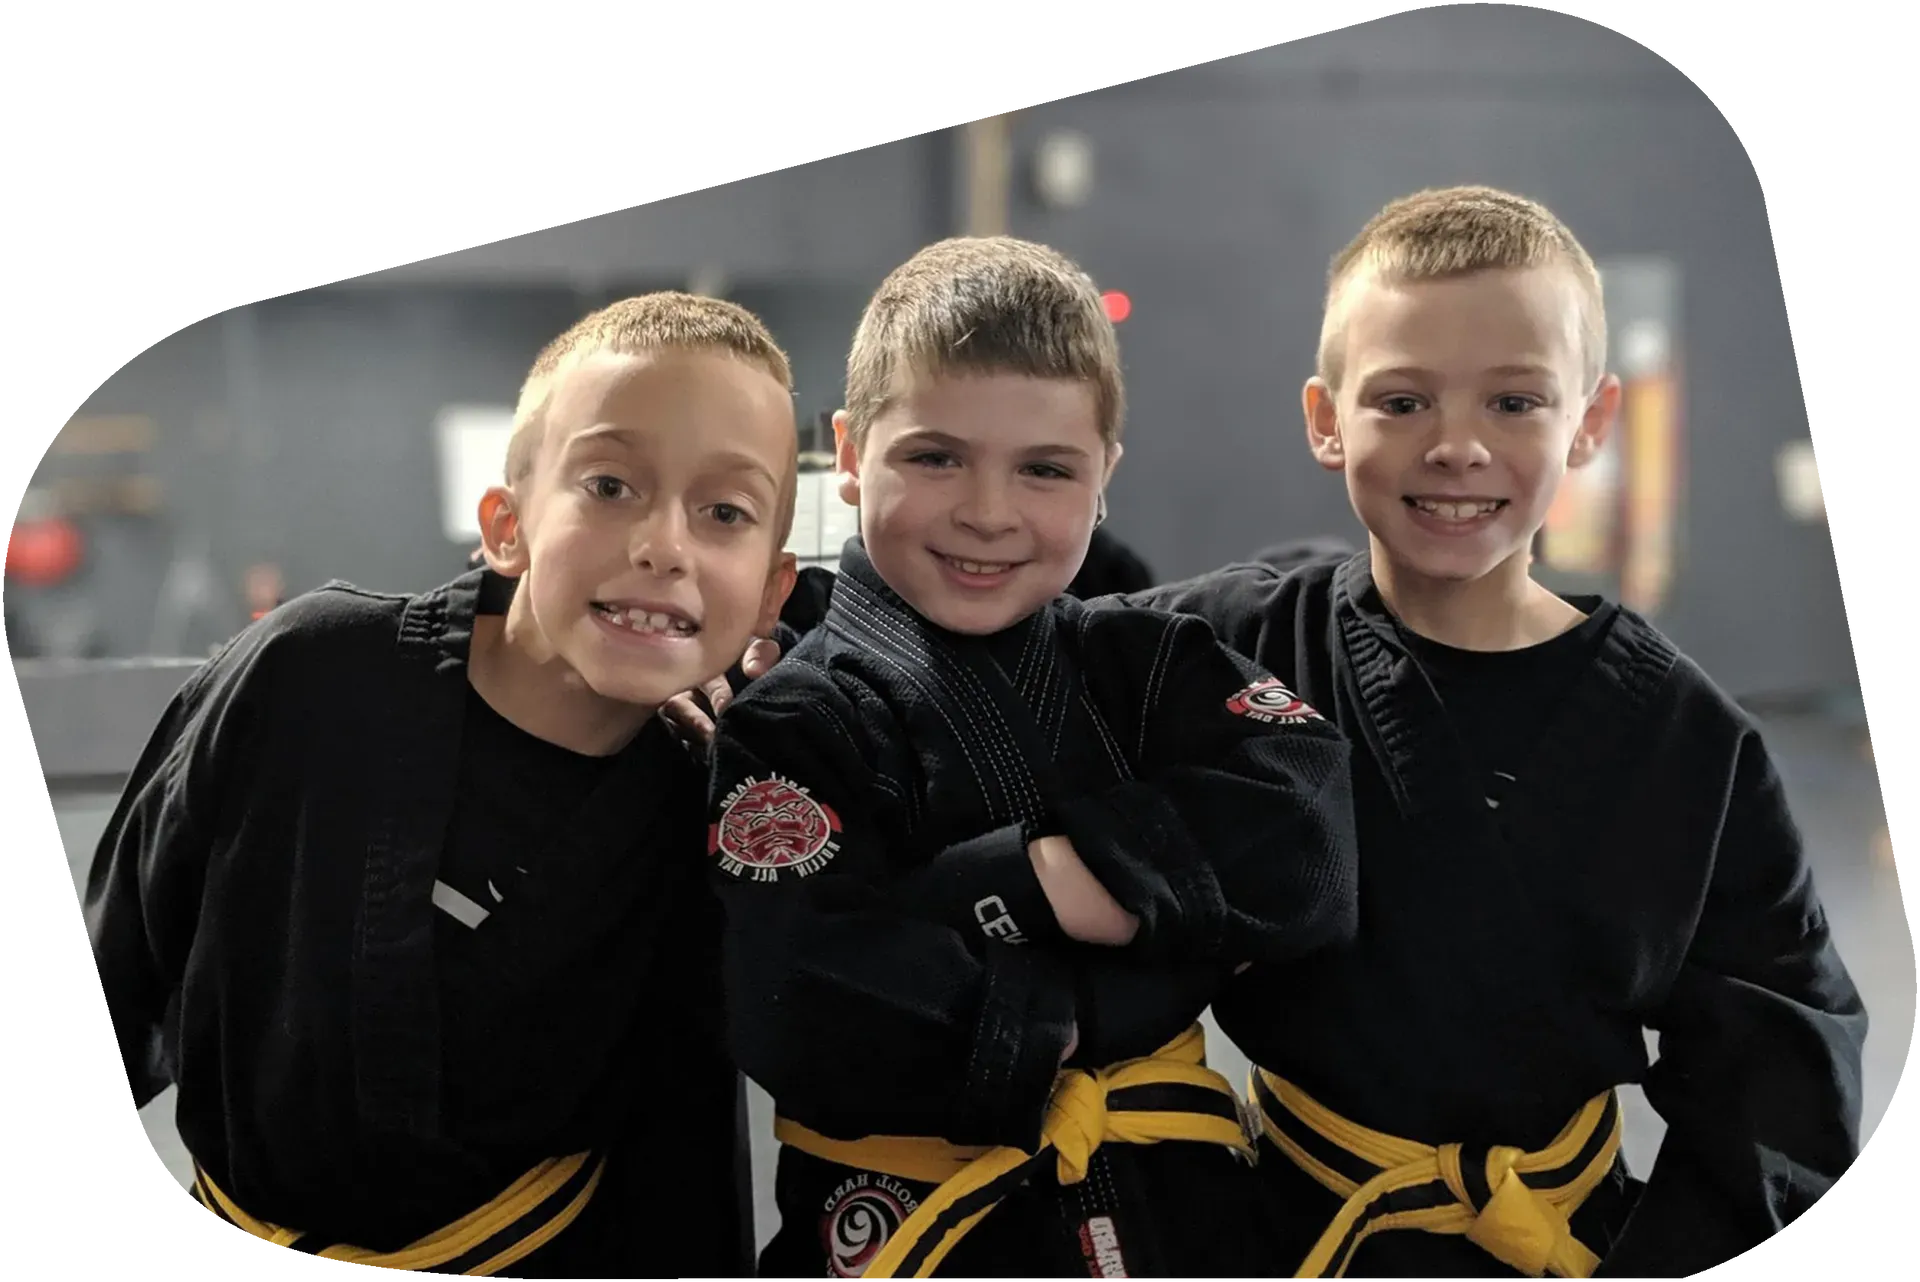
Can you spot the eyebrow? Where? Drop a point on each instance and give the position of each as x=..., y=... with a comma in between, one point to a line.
x=719, y=462
x=723, y=462
x=928, y=436
x=599, y=432
x=1057, y=451
x=1499, y=371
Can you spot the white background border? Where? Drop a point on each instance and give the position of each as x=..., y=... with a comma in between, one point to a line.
x=168, y=162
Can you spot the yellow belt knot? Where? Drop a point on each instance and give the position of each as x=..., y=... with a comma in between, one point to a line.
x=1077, y=1122
x=1519, y=1225
x=1520, y=1215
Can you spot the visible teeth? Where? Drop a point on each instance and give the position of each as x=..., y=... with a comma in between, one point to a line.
x=982, y=567
x=647, y=621
x=1457, y=511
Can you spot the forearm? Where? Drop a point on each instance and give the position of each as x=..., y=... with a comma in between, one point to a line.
x=964, y=1039
x=1223, y=864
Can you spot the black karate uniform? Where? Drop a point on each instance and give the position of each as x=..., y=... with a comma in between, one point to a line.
x=395, y=952
x=893, y=966
x=1561, y=846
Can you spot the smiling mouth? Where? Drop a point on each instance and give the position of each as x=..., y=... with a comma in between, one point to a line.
x=978, y=567
x=646, y=622
x=1455, y=509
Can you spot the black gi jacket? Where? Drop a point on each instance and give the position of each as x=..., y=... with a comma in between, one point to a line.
x=261, y=912
x=1644, y=871
x=893, y=966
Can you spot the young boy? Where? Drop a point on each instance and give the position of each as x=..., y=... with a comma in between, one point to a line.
x=1569, y=833
x=405, y=893
x=970, y=831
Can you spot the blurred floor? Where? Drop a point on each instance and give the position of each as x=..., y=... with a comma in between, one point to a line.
x=1829, y=775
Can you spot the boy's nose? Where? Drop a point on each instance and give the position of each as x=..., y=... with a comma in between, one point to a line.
x=1457, y=447
x=660, y=542
x=987, y=509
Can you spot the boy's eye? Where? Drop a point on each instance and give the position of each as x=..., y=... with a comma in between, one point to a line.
x=1049, y=471
x=932, y=458
x=1401, y=405
x=1515, y=404
x=606, y=487
x=728, y=514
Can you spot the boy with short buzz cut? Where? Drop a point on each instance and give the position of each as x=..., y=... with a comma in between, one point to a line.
x=1569, y=834
x=987, y=853
x=406, y=893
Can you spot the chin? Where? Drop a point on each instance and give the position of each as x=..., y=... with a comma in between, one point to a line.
x=1460, y=565
x=971, y=623
x=648, y=690
x=976, y=620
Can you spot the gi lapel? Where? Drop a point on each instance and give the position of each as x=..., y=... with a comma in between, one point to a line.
x=996, y=738
x=1451, y=831
x=1400, y=719
x=396, y=1017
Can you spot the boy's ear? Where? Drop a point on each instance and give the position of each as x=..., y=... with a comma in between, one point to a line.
x=500, y=534
x=846, y=460
x=786, y=572
x=1596, y=424
x=1114, y=451
x=1323, y=425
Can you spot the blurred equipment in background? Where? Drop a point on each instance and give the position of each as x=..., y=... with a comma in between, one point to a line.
x=1799, y=481
x=45, y=548
x=192, y=604
x=1614, y=528
x=1062, y=171
x=470, y=441
x=49, y=612
x=266, y=589
x=822, y=520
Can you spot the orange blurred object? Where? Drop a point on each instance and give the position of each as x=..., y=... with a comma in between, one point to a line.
x=44, y=552
x=266, y=589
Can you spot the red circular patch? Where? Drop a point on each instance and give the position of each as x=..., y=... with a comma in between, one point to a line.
x=857, y=1228
x=1270, y=701
x=772, y=824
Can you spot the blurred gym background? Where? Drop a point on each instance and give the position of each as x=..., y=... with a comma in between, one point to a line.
x=346, y=432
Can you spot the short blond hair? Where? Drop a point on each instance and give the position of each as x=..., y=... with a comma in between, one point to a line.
x=1453, y=231
x=984, y=305
x=668, y=320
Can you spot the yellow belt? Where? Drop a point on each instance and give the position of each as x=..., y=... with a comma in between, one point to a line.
x=1513, y=1204
x=529, y=1214
x=1169, y=1095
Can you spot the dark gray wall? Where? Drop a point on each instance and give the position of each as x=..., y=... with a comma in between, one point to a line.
x=299, y=430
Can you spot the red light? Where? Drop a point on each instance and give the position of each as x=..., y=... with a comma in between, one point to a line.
x=1118, y=305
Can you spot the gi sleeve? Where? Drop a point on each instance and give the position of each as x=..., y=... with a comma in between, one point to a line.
x=143, y=892
x=1252, y=609
x=1235, y=840
x=1760, y=1038
x=856, y=1015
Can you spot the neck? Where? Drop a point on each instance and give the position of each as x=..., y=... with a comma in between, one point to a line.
x=524, y=681
x=1503, y=609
